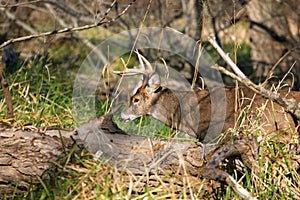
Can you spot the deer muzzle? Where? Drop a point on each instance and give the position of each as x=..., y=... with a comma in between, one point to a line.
x=125, y=116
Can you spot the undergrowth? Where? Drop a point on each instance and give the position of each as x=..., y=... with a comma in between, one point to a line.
x=42, y=95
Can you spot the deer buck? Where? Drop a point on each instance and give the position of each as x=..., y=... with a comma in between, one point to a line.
x=191, y=111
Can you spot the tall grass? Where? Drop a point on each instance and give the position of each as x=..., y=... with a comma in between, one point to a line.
x=41, y=94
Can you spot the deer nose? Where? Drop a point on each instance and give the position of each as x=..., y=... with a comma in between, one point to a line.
x=123, y=119
x=126, y=117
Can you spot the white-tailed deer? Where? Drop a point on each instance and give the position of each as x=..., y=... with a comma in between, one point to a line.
x=191, y=111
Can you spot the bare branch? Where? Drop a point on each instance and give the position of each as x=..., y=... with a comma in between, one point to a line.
x=20, y=23
x=7, y=5
x=291, y=105
x=101, y=22
x=7, y=95
x=70, y=11
x=60, y=5
x=225, y=56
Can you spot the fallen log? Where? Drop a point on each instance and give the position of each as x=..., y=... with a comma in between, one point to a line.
x=27, y=155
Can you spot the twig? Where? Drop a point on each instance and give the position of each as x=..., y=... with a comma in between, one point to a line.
x=7, y=5
x=7, y=95
x=60, y=5
x=67, y=30
x=291, y=105
x=239, y=189
x=70, y=11
x=227, y=59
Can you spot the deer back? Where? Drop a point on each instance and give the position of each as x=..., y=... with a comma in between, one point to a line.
x=245, y=108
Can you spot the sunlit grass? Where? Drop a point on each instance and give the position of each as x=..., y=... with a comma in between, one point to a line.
x=41, y=94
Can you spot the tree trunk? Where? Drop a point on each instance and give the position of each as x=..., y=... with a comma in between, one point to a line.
x=271, y=36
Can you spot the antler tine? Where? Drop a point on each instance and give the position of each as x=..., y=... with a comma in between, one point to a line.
x=143, y=60
x=140, y=59
x=130, y=72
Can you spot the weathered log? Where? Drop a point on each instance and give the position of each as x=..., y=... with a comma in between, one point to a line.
x=26, y=155
x=139, y=154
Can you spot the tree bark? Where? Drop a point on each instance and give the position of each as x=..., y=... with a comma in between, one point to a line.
x=25, y=156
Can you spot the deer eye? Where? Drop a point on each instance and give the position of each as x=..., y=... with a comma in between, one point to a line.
x=135, y=100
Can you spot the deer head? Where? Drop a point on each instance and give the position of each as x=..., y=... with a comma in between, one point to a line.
x=142, y=99
x=149, y=97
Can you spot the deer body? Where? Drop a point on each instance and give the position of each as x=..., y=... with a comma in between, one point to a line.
x=191, y=112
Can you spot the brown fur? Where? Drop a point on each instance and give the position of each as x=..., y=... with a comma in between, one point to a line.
x=192, y=113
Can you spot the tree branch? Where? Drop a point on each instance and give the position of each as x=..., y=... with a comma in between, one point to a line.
x=70, y=11
x=101, y=22
x=290, y=105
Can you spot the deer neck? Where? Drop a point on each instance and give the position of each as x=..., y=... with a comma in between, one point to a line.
x=180, y=110
x=166, y=108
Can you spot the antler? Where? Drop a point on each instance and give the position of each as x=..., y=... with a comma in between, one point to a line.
x=150, y=79
x=141, y=59
x=142, y=70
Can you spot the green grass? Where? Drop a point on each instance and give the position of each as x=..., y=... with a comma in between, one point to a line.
x=145, y=126
x=41, y=94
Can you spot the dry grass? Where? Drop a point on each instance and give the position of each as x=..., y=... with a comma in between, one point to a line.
x=275, y=177
x=99, y=180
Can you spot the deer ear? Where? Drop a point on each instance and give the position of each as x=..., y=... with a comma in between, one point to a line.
x=140, y=83
x=153, y=82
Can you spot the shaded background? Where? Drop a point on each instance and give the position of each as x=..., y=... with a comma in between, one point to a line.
x=261, y=36
x=257, y=34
